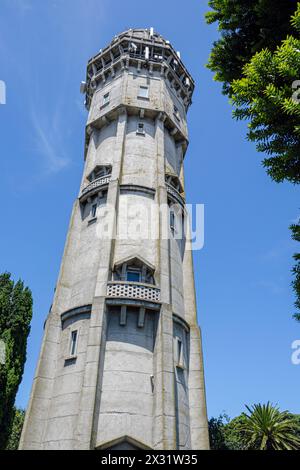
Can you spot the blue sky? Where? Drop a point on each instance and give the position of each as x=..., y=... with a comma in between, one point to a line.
x=245, y=301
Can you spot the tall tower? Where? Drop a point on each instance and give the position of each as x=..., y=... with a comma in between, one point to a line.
x=121, y=364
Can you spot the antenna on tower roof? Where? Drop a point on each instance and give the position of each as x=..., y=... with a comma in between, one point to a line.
x=133, y=47
x=147, y=53
x=151, y=32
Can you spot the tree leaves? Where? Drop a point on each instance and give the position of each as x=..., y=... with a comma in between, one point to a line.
x=262, y=92
x=295, y=228
x=246, y=28
x=15, y=318
x=258, y=60
x=263, y=427
x=15, y=429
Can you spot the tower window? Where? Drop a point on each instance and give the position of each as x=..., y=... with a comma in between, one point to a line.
x=140, y=128
x=179, y=360
x=105, y=99
x=133, y=275
x=172, y=220
x=176, y=113
x=100, y=172
x=73, y=345
x=94, y=210
x=143, y=92
x=133, y=270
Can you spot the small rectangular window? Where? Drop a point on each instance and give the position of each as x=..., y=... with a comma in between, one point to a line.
x=140, y=128
x=105, y=99
x=73, y=345
x=143, y=92
x=176, y=113
x=172, y=220
x=94, y=210
x=179, y=350
x=179, y=358
x=133, y=275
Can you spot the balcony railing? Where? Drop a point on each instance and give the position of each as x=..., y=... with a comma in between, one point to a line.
x=130, y=290
x=103, y=181
x=171, y=190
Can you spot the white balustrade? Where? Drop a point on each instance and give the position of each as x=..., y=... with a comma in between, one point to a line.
x=133, y=291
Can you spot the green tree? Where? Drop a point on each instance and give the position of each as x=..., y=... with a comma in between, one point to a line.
x=258, y=60
x=216, y=428
x=233, y=437
x=15, y=317
x=296, y=269
x=246, y=27
x=224, y=433
x=265, y=427
x=16, y=429
x=264, y=96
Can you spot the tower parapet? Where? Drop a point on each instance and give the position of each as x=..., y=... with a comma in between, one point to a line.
x=142, y=49
x=145, y=58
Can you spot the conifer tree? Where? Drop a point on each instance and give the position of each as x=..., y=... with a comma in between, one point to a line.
x=15, y=318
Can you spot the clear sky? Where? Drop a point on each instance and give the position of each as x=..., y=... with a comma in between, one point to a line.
x=245, y=302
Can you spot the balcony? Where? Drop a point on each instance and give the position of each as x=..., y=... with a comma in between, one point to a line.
x=94, y=187
x=176, y=194
x=135, y=291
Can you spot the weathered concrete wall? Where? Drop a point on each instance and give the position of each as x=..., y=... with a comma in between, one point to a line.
x=139, y=160
x=100, y=149
x=64, y=409
x=134, y=219
x=181, y=365
x=127, y=397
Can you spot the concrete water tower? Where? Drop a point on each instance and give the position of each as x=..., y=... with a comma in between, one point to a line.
x=121, y=365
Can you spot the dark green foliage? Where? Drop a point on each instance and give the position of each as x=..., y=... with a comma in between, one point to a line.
x=297, y=424
x=216, y=428
x=258, y=73
x=258, y=60
x=246, y=28
x=16, y=429
x=264, y=97
x=295, y=228
x=264, y=427
x=233, y=437
x=15, y=317
x=224, y=433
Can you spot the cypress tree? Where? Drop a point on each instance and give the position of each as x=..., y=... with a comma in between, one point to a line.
x=15, y=318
